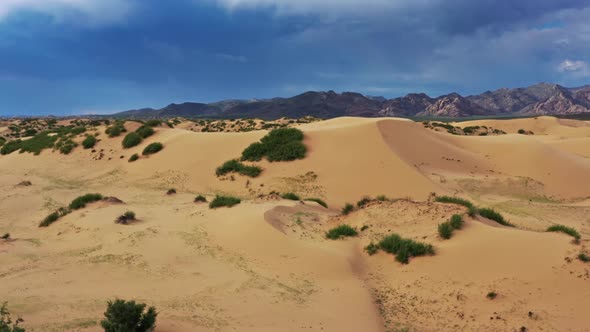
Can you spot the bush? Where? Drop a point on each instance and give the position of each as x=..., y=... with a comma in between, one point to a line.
x=171, y=191
x=567, y=230
x=404, y=248
x=115, y=130
x=145, y=131
x=583, y=257
x=319, y=201
x=80, y=202
x=152, y=148
x=66, y=146
x=472, y=211
x=50, y=219
x=445, y=230
x=10, y=147
x=522, y=131
x=153, y=123
x=454, y=200
x=133, y=157
x=131, y=140
x=125, y=218
x=347, y=209
x=290, y=196
x=129, y=215
x=6, y=323
x=363, y=201
x=200, y=199
x=6, y=236
x=128, y=316
x=456, y=221
x=234, y=166
x=283, y=144
x=495, y=216
x=372, y=249
x=89, y=142
x=492, y=295
x=220, y=201
x=341, y=231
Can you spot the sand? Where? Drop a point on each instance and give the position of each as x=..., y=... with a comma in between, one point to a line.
x=265, y=265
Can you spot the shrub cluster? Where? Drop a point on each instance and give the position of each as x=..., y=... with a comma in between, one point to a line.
x=402, y=248
x=133, y=157
x=153, y=123
x=131, y=140
x=319, y=201
x=128, y=316
x=340, y=232
x=171, y=191
x=454, y=200
x=152, y=148
x=116, y=129
x=283, y=144
x=583, y=257
x=347, y=209
x=50, y=219
x=89, y=142
x=125, y=218
x=235, y=166
x=6, y=323
x=567, y=230
x=446, y=229
x=80, y=202
x=145, y=131
x=220, y=201
x=200, y=199
x=494, y=215
x=290, y=196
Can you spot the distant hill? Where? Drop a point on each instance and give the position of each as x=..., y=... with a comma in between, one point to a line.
x=539, y=99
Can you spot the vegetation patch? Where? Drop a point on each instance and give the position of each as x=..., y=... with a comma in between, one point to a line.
x=340, y=232
x=89, y=142
x=171, y=191
x=145, y=131
x=131, y=140
x=283, y=144
x=290, y=196
x=152, y=148
x=445, y=230
x=53, y=217
x=6, y=236
x=491, y=295
x=200, y=199
x=583, y=257
x=403, y=249
x=495, y=216
x=128, y=316
x=80, y=202
x=372, y=249
x=454, y=200
x=126, y=218
x=116, y=129
x=133, y=157
x=319, y=201
x=235, y=166
x=347, y=209
x=567, y=230
x=221, y=201
x=6, y=323
x=456, y=221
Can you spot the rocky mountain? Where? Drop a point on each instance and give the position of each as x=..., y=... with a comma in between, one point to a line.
x=539, y=99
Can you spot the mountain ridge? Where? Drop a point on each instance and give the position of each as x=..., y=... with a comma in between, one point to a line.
x=538, y=99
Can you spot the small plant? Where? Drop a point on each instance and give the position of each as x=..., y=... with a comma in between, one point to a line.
x=290, y=196
x=522, y=131
x=145, y=131
x=220, y=201
x=347, y=209
x=152, y=148
x=341, y=231
x=125, y=218
x=567, y=230
x=382, y=198
x=89, y=142
x=492, y=295
x=445, y=230
x=6, y=324
x=364, y=228
x=200, y=199
x=472, y=211
x=131, y=140
x=234, y=166
x=130, y=215
x=283, y=144
x=364, y=201
x=133, y=157
x=319, y=201
x=50, y=219
x=171, y=191
x=80, y=202
x=583, y=257
x=128, y=316
x=372, y=249
x=454, y=200
x=495, y=216
x=403, y=249
x=153, y=123
x=6, y=236
x=456, y=221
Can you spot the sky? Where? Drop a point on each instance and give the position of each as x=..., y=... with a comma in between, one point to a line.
x=66, y=57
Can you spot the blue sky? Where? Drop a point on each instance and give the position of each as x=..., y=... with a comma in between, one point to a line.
x=102, y=56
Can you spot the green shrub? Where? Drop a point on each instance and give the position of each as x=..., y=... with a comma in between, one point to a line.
x=341, y=231
x=372, y=249
x=319, y=201
x=66, y=146
x=6, y=236
x=472, y=211
x=2, y=141
x=445, y=230
x=583, y=257
x=290, y=196
x=171, y=191
x=363, y=201
x=383, y=198
x=89, y=142
x=133, y=157
x=80, y=202
x=53, y=217
x=495, y=216
x=145, y=131
x=10, y=147
x=347, y=209
x=152, y=148
x=491, y=295
x=129, y=215
x=283, y=144
x=38, y=143
x=456, y=221
x=234, y=166
x=220, y=201
x=454, y=200
x=153, y=123
x=115, y=130
x=200, y=199
x=128, y=316
x=522, y=131
x=131, y=140
x=404, y=248
x=125, y=218
x=6, y=323
x=565, y=229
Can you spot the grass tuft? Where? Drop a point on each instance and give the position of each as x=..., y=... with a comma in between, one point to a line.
x=454, y=200
x=80, y=202
x=200, y=199
x=445, y=230
x=340, y=232
x=152, y=148
x=565, y=229
x=347, y=209
x=220, y=201
x=403, y=249
x=235, y=166
x=495, y=216
x=319, y=201
x=290, y=196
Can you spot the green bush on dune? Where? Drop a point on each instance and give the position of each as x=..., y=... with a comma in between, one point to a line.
x=495, y=216
x=454, y=200
x=403, y=249
x=145, y=131
x=445, y=230
x=235, y=166
x=152, y=148
x=340, y=232
x=319, y=201
x=128, y=316
x=283, y=144
x=221, y=201
x=131, y=140
x=290, y=196
x=89, y=142
x=567, y=230
x=6, y=322
x=80, y=202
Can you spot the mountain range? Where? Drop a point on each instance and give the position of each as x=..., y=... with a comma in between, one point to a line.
x=539, y=99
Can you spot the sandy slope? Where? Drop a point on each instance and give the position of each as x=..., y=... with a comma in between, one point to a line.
x=265, y=264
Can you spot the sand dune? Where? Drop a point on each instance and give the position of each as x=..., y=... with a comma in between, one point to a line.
x=265, y=264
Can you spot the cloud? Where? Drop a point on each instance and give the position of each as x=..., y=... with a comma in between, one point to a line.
x=85, y=12
x=576, y=67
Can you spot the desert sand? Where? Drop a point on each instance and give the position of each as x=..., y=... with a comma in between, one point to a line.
x=265, y=264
